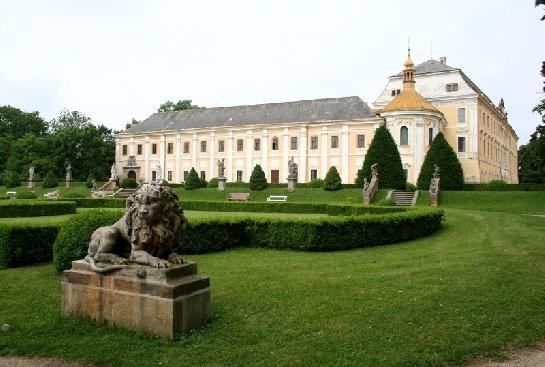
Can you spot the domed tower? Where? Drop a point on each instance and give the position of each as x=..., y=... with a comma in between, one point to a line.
x=413, y=122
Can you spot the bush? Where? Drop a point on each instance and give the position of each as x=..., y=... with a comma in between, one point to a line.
x=410, y=187
x=73, y=195
x=386, y=202
x=193, y=181
x=507, y=187
x=11, y=179
x=16, y=208
x=383, y=150
x=496, y=185
x=204, y=184
x=89, y=180
x=50, y=180
x=213, y=183
x=26, y=244
x=73, y=239
x=25, y=195
x=442, y=154
x=99, y=203
x=258, y=181
x=332, y=181
x=128, y=183
x=317, y=183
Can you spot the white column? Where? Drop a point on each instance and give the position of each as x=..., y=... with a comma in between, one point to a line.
x=265, y=154
x=323, y=144
x=303, y=151
x=285, y=156
x=474, y=129
x=147, y=152
x=249, y=154
x=177, y=175
x=230, y=157
x=162, y=152
x=194, y=152
x=345, y=139
x=418, y=147
x=212, y=155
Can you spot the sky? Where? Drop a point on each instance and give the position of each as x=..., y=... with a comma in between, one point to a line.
x=119, y=60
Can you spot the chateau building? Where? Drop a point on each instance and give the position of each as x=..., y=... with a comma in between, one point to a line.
x=416, y=104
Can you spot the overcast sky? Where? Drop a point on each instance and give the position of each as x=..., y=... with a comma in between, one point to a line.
x=115, y=60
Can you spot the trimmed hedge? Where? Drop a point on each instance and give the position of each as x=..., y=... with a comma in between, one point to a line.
x=308, y=234
x=506, y=187
x=99, y=203
x=35, y=208
x=26, y=244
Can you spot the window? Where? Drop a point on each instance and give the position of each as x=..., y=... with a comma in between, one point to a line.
x=153, y=175
x=461, y=144
x=395, y=92
x=404, y=136
x=185, y=175
x=170, y=148
x=334, y=142
x=186, y=147
x=430, y=135
x=361, y=141
x=275, y=143
x=124, y=149
x=203, y=175
x=221, y=146
x=169, y=176
x=239, y=175
x=314, y=142
x=257, y=144
x=313, y=174
x=452, y=87
x=293, y=143
x=461, y=115
x=203, y=146
x=153, y=148
x=139, y=149
x=240, y=145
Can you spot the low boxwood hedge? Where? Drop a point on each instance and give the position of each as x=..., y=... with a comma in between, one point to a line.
x=308, y=234
x=99, y=203
x=506, y=187
x=35, y=208
x=26, y=244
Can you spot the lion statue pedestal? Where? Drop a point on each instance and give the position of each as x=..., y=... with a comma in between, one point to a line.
x=132, y=277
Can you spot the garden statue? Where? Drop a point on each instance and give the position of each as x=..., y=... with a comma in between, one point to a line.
x=370, y=189
x=31, y=173
x=365, y=184
x=436, y=170
x=94, y=182
x=159, y=174
x=69, y=173
x=292, y=169
x=434, y=186
x=113, y=173
x=374, y=170
x=221, y=168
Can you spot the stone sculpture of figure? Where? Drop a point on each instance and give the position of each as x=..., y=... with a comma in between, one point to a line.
x=94, y=185
x=221, y=168
x=113, y=173
x=434, y=183
x=436, y=170
x=292, y=169
x=374, y=169
x=159, y=174
x=31, y=173
x=145, y=235
x=69, y=173
x=365, y=184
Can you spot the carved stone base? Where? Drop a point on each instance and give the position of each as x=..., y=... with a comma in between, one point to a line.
x=291, y=184
x=30, y=184
x=163, y=302
x=434, y=200
x=222, y=183
x=67, y=183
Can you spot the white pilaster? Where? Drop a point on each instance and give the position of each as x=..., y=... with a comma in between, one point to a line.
x=303, y=151
x=230, y=156
x=194, y=152
x=249, y=154
x=131, y=146
x=265, y=153
x=212, y=155
x=285, y=156
x=345, y=140
x=323, y=143
x=147, y=152
x=162, y=152
x=418, y=147
x=177, y=169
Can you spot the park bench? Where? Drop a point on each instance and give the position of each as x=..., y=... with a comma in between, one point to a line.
x=277, y=198
x=52, y=195
x=11, y=194
x=238, y=196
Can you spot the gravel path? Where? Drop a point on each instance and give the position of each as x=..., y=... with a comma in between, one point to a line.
x=37, y=362
x=519, y=358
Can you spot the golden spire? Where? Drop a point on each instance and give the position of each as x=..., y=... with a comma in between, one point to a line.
x=408, y=73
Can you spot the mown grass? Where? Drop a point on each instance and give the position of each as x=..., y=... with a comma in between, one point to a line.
x=75, y=188
x=472, y=288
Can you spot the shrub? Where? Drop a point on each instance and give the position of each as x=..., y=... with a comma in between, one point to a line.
x=73, y=195
x=193, y=181
x=204, y=183
x=332, y=181
x=73, y=239
x=128, y=183
x=383, y=150
x=99, y=203
x=442, y=154
x=213, y=183
x=317, y=183
x=89, y=180
x=258, y=181
x=496, y=185
x=358, y=182
x=50, y=180
x=11, y=179
x=26, y=195
x=36, y=208
x=26, y=244
x=386, y=202
x=410, y=187
x=507, y=187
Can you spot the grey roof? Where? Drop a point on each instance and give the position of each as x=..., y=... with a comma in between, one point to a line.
x=430, y=66
x=326, y=109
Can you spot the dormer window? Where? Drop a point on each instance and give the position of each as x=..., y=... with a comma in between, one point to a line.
x=452, y=87
x=395, y=92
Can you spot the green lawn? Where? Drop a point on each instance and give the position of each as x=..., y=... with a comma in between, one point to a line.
x=472, y=288
x=75, y=187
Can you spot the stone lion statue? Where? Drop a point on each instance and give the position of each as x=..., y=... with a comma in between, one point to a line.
x=145, y=235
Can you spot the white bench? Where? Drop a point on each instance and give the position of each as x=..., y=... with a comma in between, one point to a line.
x=277, y=198
x=11, y=194
x=52, y=195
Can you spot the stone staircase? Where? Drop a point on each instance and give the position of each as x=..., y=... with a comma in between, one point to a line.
x=124, y=193
x=404, y=198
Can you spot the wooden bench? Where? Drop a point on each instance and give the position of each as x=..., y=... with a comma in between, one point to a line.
x=238, y=196
x=277, y=198
x=11, y=194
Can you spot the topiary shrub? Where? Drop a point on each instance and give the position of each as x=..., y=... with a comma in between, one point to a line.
x=73, y=195
x=26, y=244
x=50, y=180
x=410, y=187
x=204, y=183
x=386, y=202
x=496, y=185
x=213, y=183
x=383, y=150
x=359, y=179
x=89, y=180
x=258, y=181
x=332, y=181
x=317, y=183
x=35, y=208
x=193, y=181
x=442, y=154
x=11, y=179
x=128, y=183
x=26, y=195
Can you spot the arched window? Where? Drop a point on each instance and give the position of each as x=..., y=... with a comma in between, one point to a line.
x=404, y=135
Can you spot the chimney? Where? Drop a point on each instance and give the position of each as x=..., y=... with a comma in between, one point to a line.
x=443, y=60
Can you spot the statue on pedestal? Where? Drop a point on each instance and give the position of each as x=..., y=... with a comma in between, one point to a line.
x=374, y=170
x=292, y=169
x=69, y=173
x=365, y=184
x=31, y=173
x=221, y=168
x=113, y=173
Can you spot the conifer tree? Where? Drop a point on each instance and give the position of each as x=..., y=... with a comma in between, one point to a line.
x=50, y=180
x=451, y=173
x=193, y=180
x=258, y=181
x=89, y=181
x=383, y=150
x=332, y=181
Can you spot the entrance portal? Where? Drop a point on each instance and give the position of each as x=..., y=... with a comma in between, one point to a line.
x=131, y=174
x=274, y=176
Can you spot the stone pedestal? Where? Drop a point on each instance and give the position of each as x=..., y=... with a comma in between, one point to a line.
x=30, y=184
x=67, y=183
x=291, y=184
x=163, y=302
x=222, y=183
x=434, y=200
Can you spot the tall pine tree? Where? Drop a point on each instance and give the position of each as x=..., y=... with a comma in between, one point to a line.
x=451, y=173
